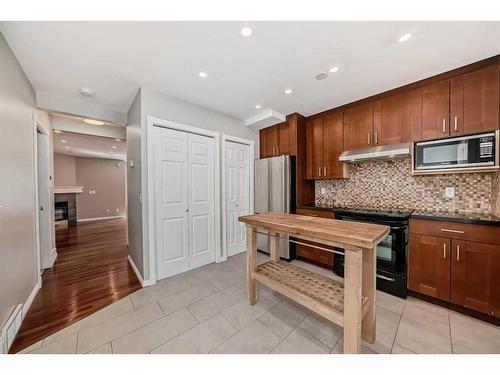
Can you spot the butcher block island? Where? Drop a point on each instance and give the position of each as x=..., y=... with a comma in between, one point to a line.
x=350, y=304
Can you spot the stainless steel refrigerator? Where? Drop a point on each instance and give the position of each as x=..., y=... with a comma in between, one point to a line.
x=275, y=192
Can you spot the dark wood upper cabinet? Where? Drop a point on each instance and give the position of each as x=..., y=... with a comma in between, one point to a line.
x=314, y=148
x=287, y=138
x=358, y=127
x=333, y=145
x=391, y=119
x=474, y=276
x=430, y=111
x=429, y=266
x=475, y=101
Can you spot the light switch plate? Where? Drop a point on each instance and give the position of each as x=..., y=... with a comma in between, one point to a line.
x=449, y=192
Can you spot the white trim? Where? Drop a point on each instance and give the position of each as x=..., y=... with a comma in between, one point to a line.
x=31, y=297
x=251, y=144
x=138, y=274
x=99, y=218
x=154, y=121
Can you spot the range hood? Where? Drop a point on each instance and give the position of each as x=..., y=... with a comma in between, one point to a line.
x=376, y=153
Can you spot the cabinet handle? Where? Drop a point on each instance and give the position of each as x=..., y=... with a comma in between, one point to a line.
x=319, y=171
x=452, y=231
x=277, y=150
x=324, y=171
x=444, y=125
x=369, y=138
x=458, y=253
x=376, y=137
x=456, y=123
x=444, y=250
x=314, y=215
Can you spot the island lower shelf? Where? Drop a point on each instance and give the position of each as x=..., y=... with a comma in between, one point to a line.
x=321, y=294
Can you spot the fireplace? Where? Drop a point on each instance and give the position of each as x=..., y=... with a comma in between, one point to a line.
x=61, y=211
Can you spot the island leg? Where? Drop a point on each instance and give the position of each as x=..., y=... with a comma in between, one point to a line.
x=274, y=245
x=251, y=238
x=369, y=290
x=352, y=299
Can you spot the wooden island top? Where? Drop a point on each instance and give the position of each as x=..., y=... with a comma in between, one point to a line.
x=328, y=231
x=349, y=304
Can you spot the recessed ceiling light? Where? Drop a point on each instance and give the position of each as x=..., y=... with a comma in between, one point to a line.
x=405, y=37
x=66, y=147
x=111, y=152
x=246, y=31
x=92, y=121
x=334, y=69
x=113, y=147
x=63, y=141
x=89, y=93
x=258, y=106
x=288, y=91
x=57, y=131
x=203, y=74
x=321, y=76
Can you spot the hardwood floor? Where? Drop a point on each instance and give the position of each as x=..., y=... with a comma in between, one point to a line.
x=91, y=272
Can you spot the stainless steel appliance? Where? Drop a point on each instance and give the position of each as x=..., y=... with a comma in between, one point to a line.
x=275, y=192
x=472, y=151
x=392, y=252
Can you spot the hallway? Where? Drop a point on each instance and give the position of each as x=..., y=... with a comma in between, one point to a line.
x=90, y=272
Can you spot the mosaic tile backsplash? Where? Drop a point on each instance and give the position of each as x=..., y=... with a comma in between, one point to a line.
x=390, y=185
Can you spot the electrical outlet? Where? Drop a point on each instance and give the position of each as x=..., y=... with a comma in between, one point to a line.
x=449, y=192
x=107, y=209
x=323, y=190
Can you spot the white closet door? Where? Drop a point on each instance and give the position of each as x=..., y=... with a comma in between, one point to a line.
x=201, y=200
x=237, y=194
x=171, y=203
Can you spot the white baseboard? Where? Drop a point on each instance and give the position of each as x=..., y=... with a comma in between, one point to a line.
x=143, y=282
x=53, y=257
x=100, y=218
x=31, y=297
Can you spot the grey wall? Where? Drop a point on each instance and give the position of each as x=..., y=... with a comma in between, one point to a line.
x=172, y=109
x=64, y=170
x=107, y=178
x=134, y=206
x=18, y=267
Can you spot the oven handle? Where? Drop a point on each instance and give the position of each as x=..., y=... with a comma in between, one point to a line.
x=379, y=276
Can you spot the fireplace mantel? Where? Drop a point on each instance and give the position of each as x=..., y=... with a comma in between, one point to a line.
x=68, y=189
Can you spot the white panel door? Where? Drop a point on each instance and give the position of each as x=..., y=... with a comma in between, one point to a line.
x=171, y=202
x=201, y=200
x=237, y=194
x=44, y=202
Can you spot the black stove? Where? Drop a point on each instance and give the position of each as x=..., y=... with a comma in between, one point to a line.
x=392, y=251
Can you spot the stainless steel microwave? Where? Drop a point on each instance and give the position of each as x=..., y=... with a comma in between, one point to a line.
x=478, y=151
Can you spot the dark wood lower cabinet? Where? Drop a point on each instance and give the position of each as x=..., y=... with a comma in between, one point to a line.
x=465, y=273
x=429, y=266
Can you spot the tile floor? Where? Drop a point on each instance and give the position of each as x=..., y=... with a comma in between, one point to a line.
x=205, y=311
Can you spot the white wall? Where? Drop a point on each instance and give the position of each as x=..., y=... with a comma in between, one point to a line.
x=172, y=109
x=18, y=266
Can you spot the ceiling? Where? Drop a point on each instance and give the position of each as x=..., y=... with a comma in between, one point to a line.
x=89, y=146
x=116, y=58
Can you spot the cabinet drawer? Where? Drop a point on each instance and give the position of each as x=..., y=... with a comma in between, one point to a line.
x=459, y=231
x=314, y=213
x=323, y=256
x=305, y=251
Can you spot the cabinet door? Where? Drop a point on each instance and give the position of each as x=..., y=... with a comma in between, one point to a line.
x=287, y=138
x=314, y=148
x=475, y=101
x=429, y=266
x=391, y=119
x=332, y=145
x=473, y=275
x=358, y=126
x=272, y=141
x=263, y=143
x=430, y=111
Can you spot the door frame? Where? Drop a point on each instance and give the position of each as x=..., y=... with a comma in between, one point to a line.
x=251, y=144
x=151, y=234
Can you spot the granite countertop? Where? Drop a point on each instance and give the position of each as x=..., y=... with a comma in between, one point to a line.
x=466, y=218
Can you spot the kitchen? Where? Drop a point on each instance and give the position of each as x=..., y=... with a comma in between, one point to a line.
x=422, y=159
